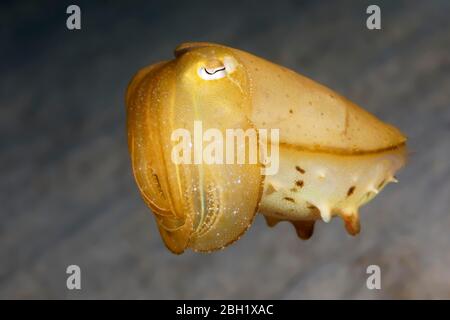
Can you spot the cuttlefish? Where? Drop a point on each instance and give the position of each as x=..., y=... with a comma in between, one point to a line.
x=333, y=155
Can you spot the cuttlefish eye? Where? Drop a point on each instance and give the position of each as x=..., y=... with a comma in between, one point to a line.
x=212, y=74
x=332, y=157
x=216, y=69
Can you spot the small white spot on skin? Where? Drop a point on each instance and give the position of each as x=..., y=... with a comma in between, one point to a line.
x=321, y=174
x=230, y=64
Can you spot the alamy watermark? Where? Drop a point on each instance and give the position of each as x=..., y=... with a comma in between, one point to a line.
x=374, y=280
x=73, y=281
x=73, y=21
x=373, y=22
x=238, y=146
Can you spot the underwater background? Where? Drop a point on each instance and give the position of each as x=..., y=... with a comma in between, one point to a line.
x=67, y=194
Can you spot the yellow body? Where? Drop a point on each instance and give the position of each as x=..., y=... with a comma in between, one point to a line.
x=334, y=156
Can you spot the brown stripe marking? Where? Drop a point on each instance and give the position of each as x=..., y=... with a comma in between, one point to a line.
x=299, y=183
x=289, y=199
x=350, y=191
x=302, y=171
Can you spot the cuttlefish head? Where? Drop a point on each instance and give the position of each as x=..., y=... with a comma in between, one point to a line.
x=202, y=205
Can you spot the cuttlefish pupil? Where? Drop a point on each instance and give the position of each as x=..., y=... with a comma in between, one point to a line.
x=212, y=73
x=214, y=70
x=334, y=157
